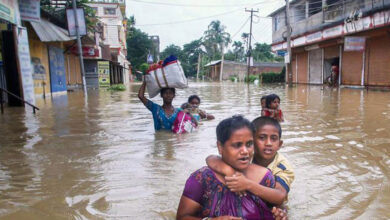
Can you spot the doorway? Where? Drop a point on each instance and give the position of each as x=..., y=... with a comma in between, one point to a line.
x=328, y=63
x=10, y=67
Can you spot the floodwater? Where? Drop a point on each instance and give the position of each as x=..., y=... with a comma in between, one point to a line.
x=101, y=159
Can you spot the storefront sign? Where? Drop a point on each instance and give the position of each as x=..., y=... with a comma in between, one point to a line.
x=87, y=51
x=72, y=22
x=314, y=37
x=104, y=73
x=30, y=10
x=299, y=41
x=25, y=66
x=354, y=43
x=7, y=10
x=333, y=31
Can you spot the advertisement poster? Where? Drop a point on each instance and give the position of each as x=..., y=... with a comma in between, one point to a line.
x=25, y=66
x=57, y=70
x=104, y=73
x=30, y=10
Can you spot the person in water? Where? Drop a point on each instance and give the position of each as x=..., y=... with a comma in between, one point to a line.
x=206, y=195
x=272, y=109
x=199, y=114
x=267, y=142
x=165, y=115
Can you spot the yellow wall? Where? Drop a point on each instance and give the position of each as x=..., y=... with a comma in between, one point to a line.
x=39, y=53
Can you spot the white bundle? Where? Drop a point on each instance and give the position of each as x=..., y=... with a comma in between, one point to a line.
x=169, y=76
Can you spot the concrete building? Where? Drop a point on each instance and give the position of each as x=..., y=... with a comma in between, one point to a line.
x=239, y=70
x=352, y=34
x=110, y=39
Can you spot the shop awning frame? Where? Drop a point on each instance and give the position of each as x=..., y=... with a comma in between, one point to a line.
x=49, y=32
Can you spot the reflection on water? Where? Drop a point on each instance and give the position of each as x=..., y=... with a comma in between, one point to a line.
x=101, y=159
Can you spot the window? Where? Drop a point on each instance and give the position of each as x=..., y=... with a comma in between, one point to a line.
x=315, y=6
x=110, y=11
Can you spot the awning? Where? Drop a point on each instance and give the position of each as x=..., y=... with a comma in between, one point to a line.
x=49, y=32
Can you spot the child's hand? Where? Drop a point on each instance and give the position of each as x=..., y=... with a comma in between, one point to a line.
x=237, y=183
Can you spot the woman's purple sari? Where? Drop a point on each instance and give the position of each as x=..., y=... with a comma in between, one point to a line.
x=217, y=200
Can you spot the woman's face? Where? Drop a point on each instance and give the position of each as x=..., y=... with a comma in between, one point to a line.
x=238, y=149
x=168, y=96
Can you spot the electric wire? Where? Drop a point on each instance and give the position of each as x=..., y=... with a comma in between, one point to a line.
x=192, y=5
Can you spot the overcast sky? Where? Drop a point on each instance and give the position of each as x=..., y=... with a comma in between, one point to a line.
x=182, y=21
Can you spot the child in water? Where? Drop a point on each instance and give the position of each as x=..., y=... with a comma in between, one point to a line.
x=185, y=121
x=263, y=104
x=273, y=108
x=267, y=141
x=199, y=114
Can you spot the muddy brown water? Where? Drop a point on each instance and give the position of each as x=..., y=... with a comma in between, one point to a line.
x=101, y=159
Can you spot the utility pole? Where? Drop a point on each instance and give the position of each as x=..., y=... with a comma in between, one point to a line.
x=79, y=46
x=250, y=43
x=288, y=60
x=198, y=67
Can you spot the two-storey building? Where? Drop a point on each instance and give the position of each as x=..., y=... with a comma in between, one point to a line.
x=110, y=39
x=354, y=35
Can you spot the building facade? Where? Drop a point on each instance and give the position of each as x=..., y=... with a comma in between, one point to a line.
x=110, y=39
x=239, y=70
x=354, y=35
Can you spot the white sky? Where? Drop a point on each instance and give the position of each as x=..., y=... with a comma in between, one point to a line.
x=152, y=17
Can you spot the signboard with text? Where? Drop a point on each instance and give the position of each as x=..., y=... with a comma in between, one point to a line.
x=7, y=10
x=354, y=43
x=30, y=10
x=72, y=22
x=25, y=66
x=104, y=73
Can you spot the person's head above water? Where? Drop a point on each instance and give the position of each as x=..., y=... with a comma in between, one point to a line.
x=168, y=94
x=235, y=141
x=263, y=100
x=272, y=101
x=194, y=100
x=267, y=138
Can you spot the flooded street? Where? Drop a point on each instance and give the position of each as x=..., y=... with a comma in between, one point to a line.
x=101, y=159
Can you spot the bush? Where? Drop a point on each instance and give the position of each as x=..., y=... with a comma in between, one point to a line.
x=252, y=78
x=117, y=87
x=273, y=77
x=233, y=78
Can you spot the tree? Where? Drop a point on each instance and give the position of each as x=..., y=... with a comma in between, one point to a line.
x=238, y=51
x=171, y=50
x=262, y=53
x=138, y=47
x=191, y=53
x=215, y=39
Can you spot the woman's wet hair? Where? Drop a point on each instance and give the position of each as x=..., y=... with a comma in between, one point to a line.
x=228, y=126
x=270, y=98
x=264, y=97
x=193, y=97
x=262, y=121
x=163, y=90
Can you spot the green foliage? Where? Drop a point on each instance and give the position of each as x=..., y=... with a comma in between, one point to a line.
x=117, y=87
x=60, y=12
x=262, y=53
x=143, y=68
x=233, y=78
x=215, y=38
x=252, y=78
x=138, y=47
x=171, y=50
x=273, y=77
